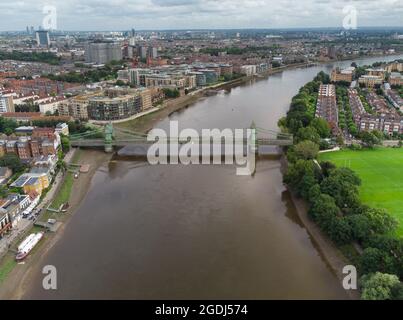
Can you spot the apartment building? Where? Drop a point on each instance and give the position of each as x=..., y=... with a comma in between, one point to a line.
x=76, y=107
x=346, y=75
x=394, y=67
x=6, y=103
x=104, y=108
x=103, y=52
x=370, y=81
x=43, y=141
x=248, y=70
x=396, y=79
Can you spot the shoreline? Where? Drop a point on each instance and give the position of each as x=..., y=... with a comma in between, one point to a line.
x=329, y=252
x=17, y=281
x=148, y=121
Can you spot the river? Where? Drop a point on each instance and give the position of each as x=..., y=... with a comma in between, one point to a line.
x=195, y=232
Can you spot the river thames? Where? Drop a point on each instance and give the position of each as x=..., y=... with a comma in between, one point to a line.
x=195, y=232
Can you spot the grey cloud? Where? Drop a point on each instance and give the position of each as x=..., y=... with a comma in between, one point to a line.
x=168, y=14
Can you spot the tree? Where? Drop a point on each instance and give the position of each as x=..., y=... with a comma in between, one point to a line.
x=360, y=226
x=380, y=220
x=369, y=139
x=12, y=161
x=397, y=291
x=339, y=230
x=3, y=192
x=342, y=184
x=307, y=182
x=171, y=93
x=7, y=126
x=378, y=286
x=314, y=193
x=296, y=173
x=65, y=141
x=373, y=260
x=327, y=167
x=340, y=140
x=307, y=133
x=323, y=210
x=307, y=150
x=61, y=165
x=322, y=127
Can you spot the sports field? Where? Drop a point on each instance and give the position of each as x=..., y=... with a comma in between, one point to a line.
x=381, y=172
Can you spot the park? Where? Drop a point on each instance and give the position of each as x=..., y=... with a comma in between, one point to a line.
x=381, y=172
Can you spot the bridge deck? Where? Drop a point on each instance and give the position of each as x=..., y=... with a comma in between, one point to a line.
x=215, y=150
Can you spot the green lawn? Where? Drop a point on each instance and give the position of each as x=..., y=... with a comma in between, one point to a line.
x=381, y=172
x=63, y=195
x=6, y=266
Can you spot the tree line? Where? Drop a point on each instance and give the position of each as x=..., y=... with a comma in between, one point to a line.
x=45, y=57
x=334, y=204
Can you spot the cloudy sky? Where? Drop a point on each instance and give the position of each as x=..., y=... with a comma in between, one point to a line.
x=192, y=14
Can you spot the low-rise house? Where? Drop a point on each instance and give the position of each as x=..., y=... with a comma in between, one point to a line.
x=49, y=162
x=13, y=206
x=388, y=125
x=62, y=128
x=5, y=222
x=32, y=182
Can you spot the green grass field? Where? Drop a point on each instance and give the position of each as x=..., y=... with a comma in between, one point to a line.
x=381, y=172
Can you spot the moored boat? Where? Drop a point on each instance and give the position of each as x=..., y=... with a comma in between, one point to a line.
x=27, y=245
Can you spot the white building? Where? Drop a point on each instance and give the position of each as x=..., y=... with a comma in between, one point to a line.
x=6, y=103
x=248, y=70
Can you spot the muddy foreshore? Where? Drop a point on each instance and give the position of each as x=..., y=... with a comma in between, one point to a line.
x=17, y=281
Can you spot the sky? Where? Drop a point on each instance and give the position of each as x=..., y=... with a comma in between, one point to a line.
x=197, y=14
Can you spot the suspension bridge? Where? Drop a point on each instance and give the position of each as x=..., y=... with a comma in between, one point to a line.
x=110, y=137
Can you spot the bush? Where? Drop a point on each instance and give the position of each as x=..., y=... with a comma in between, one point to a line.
x=378, y=286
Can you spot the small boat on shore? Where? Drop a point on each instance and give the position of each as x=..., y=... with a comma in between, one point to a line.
x=65, y=207
x=27, y=245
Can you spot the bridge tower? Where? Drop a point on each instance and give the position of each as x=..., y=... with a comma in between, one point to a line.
x=253, y=137
x=109, y=138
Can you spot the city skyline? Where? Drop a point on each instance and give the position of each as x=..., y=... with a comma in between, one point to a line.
x=200, y=14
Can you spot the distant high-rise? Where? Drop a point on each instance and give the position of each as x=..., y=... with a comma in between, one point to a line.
x=153, y=52
x=27, y=30
x=148, y=52
x=133, y=33
x=103, y=52
x=42, y=38
x=132, y=41
x=32, y=30
x=143, y=51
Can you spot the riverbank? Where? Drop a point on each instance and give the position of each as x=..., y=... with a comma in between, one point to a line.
x=27, y=278
x=16, y=282
x=148, y=122
x=329, y=251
